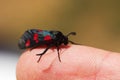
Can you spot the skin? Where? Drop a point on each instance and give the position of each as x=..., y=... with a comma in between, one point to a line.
x=77, y=63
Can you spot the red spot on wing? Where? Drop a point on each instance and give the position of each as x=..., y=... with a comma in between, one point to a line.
x=47, y=37
x=35, y=37
x=27, y=43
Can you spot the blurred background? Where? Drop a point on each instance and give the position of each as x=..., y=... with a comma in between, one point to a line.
x=96, y=22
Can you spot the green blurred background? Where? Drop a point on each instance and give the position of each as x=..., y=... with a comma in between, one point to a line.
x=97, y=22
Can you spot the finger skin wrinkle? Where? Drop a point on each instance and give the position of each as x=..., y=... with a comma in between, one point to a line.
x=109, y=69
x=100, y=65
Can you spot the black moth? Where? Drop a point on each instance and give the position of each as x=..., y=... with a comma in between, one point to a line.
x=34, y=38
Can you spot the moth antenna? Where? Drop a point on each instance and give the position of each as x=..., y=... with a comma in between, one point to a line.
x=71, y=33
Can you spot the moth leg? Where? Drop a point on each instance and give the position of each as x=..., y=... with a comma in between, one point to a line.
x=34, y=47
x=58, y=52
x=41, y=54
